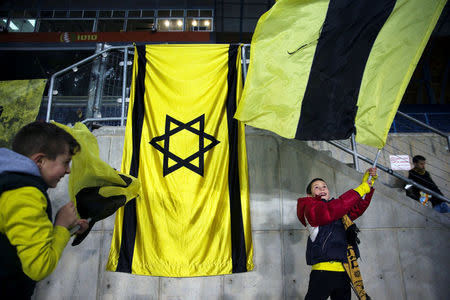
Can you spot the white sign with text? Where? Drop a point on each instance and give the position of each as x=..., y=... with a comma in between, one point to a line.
x=400, y=162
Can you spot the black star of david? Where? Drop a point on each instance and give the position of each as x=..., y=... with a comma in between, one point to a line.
x=202, y=135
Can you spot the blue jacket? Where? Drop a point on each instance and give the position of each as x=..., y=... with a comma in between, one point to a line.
x=329, y=245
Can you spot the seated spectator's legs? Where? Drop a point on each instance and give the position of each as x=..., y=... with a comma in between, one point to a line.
x=442, y=208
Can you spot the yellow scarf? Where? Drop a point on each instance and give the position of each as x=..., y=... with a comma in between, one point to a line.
x=352, y=267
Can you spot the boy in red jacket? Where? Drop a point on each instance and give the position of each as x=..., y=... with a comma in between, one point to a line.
x=327, y=243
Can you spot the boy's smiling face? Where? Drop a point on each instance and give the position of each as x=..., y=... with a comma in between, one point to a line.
x=320, y=188
x=52, y=170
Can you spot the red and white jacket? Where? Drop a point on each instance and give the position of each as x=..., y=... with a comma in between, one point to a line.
x=319, y=212
x=327, y=237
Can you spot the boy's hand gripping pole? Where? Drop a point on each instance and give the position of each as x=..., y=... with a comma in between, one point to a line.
x=375, y=162
x=77, y=227
x=373, y=166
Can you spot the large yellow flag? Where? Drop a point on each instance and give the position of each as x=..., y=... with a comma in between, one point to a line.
x=322, y=70
x=183, y=144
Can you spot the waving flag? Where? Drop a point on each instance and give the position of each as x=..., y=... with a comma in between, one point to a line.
x=181, y=141
x=95, y=187
x=322, y=70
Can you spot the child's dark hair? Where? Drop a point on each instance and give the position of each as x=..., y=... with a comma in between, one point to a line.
x=308, y=188
x=418, y=158
x=42, y=137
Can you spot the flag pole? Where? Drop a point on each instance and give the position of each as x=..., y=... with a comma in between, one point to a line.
x=375, y=161
x=77, y=227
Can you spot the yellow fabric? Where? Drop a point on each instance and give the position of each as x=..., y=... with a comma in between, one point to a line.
x=333, y=266
x=89, y=170
x=352, y=266
x=391, y=63
x=183, y=226
x=129, y=192
x=276, y=82
x=25, y=222
x=363, y=188
x=18, y=98
x=275, y=85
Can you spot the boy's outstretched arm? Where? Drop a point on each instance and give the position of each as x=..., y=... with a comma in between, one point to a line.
x=366, y=192
x=319, y=212
x=360, y=207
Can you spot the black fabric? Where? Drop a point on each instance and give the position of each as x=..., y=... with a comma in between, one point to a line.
x=352, y=235
x=14, y=284
x=330, y=244
x=238, y=254
x=324, y=284
x=129, y=219
x=427, y=182
x=186, y=162
x=90, y=204
x=349, y=31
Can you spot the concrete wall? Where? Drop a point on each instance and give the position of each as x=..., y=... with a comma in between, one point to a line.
x=405, y=246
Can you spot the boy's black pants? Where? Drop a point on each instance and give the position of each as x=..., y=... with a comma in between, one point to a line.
x=324, y=284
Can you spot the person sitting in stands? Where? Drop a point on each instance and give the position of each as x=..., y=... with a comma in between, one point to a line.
x=421, y=176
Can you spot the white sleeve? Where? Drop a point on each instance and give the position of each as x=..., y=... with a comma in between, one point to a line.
x=313, y=231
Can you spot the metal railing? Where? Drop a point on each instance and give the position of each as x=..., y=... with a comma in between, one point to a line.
x=427, y=127
x=83, y=61
x=389, y=171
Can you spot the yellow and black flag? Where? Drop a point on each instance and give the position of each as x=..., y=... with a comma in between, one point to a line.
x=181, y=141
x=322, y=70
x=95, y=187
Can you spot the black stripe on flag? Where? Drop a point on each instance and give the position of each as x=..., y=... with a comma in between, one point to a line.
x=348, y=34
x=129, y=218
x=239, y=254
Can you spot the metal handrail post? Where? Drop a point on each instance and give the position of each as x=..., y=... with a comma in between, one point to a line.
x=376, y=158
x=95, y=84
x=375, y=161
x=355, y=153
x=389, y=171
x=373, y=166
x=124, y=84
x=50, y=97
x=428, y=127
x=244, y=62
